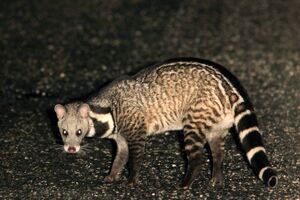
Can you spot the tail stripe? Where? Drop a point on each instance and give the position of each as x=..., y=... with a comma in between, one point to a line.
x=270, y=177
x=245, y=132
x=252, y=140
x=252, y=152
x=246, y=122
x=241, y=115
x=261, y=172
x=259, y=161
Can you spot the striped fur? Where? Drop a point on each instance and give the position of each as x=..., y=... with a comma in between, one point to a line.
x=251, y=141
x=199, y=97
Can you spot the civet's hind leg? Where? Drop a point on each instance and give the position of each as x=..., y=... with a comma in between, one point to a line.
x=216, y=145
x=194, y=141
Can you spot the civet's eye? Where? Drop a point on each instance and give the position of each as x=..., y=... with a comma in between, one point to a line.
x=64, y=132
x=79, y=132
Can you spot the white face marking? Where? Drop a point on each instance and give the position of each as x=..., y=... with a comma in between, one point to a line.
x=104, y=118
x=253, y=151
x=245, y=132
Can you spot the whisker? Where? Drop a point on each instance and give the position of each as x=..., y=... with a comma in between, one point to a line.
x=85, y=149
x=88, y=149
x=59, y=147
x=81, y=152
x=86, y=146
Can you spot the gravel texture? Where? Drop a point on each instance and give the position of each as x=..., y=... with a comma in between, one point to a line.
x=53, y=51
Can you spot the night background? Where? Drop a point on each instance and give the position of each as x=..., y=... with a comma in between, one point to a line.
x=54, y=51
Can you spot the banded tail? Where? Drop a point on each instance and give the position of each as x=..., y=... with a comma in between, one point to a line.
x=247, y=127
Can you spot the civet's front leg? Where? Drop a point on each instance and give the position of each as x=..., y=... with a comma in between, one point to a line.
x=136, y=152
x=133, y=128
x=119, y=161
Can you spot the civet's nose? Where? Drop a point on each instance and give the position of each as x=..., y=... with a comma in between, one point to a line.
x=72, y=150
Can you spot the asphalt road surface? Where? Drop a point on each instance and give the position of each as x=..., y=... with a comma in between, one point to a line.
x=54, y=51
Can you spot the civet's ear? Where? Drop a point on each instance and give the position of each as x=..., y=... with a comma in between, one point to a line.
x=60, y=110
x=84, y=110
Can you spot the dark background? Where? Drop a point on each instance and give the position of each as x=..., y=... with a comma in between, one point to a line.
x=53, y=51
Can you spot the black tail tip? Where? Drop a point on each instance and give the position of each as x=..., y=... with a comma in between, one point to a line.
x=270, y=177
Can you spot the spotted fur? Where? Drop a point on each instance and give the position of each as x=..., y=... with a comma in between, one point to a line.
x=199, y=97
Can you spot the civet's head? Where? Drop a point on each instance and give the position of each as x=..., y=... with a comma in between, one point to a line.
x=74, y=124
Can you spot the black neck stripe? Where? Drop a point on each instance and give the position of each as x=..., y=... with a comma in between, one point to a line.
x=100, y=110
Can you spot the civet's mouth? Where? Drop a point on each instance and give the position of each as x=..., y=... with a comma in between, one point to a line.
x=71, y=149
